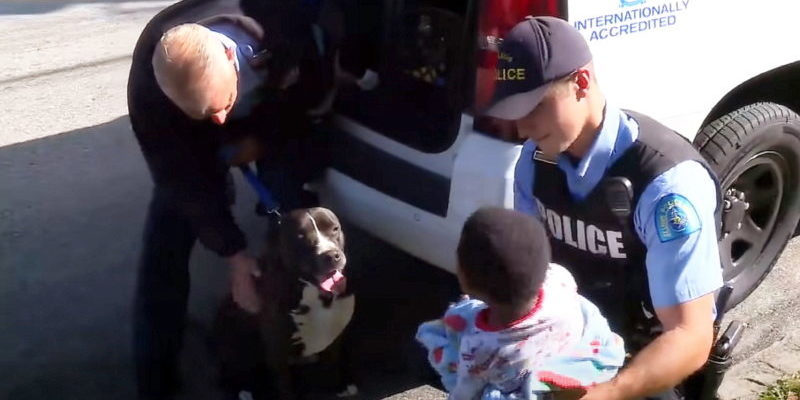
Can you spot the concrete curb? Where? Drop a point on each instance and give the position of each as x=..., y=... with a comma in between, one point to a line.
x=744, y=381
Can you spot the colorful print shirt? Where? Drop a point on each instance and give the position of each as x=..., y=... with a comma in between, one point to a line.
x=563, y=342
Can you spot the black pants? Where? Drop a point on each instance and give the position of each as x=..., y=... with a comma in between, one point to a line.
x=162, y=291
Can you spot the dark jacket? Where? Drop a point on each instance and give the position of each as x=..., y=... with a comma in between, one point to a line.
x=183, y=155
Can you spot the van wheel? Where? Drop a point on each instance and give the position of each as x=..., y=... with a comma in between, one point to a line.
x=755, y=152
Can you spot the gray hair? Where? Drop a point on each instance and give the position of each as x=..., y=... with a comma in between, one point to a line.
x=186, y=56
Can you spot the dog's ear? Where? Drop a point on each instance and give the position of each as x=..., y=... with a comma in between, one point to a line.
x=291, y=238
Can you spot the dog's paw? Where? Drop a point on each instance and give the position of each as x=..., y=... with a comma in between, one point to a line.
x=350, y=391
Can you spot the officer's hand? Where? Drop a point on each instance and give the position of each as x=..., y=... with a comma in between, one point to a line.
x=244, y=271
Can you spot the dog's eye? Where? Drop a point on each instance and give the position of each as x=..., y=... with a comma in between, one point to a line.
x=336, y=228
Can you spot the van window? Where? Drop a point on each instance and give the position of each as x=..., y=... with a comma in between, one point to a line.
x=420, y=50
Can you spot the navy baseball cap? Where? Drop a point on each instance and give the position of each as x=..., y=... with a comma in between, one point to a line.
x=534, y=54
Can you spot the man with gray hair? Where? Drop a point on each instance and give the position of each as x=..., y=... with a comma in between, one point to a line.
x=245, y=75
x=197, y=71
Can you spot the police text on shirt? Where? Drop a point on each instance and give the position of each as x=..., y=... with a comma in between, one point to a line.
x=580, y=235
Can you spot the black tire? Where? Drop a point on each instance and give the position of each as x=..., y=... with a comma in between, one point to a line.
x=755, y=152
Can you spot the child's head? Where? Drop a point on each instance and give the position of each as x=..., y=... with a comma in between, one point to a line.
x=502, y=256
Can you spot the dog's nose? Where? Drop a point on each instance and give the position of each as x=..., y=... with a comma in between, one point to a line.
x=333, y=256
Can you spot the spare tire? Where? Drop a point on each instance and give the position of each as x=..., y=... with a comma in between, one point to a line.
x=755, y=152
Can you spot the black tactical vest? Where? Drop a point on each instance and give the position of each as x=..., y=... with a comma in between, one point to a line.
x=602, y=250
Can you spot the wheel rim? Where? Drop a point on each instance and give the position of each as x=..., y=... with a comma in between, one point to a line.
x=752, y=199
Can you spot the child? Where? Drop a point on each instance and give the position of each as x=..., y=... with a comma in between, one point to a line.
x=523, y=330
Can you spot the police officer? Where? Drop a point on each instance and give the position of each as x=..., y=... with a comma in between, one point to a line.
x=653, y=273
x=193, y=90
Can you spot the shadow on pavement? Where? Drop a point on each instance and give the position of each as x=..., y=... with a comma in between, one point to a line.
x=72, y=209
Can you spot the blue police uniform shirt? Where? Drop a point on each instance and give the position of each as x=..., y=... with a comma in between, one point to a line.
x=674, y=217
x=245, y=47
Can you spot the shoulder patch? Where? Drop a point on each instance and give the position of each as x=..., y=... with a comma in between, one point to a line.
x=675, y=217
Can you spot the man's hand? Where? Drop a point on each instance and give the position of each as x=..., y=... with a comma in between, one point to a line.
x=244, y=270
x=659, y=366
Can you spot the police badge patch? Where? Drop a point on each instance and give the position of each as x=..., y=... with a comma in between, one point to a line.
x=675, y=217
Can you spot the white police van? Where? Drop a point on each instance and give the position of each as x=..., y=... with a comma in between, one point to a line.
x=415, y=161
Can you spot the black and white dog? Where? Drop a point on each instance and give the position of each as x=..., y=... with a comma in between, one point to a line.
x=305, y=309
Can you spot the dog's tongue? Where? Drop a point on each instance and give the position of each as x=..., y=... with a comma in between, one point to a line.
x=334, y=283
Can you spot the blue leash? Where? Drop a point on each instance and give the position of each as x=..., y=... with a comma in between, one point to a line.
x=264, y=194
